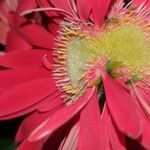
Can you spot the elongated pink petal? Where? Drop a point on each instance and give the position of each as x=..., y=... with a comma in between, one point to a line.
x=90, y=126
x=53, y=26
x=105, y=135
x=99, y=10
x=23, y=96
x=5, y=8
x=24, y=58
x=144, y=139
x=57, y=140
x=121, y=104
x=111, y=138
x=18, y=43
x=117, y=139
x=2, y=53
x=31, y=122
x=71, y=140
x=137, y=2
x=13, y=77
x=16, y=21
x=141, y=2
x=45, y=3
x=143, y=99
x=9, y=4
x=60, y=117
x=27, y=145
x=25, y=5
x=65, y=5
x=4, y=27
x=36, y=35
x=84, y=10
x=55, y=102
x=64, y=137
x=145, y=94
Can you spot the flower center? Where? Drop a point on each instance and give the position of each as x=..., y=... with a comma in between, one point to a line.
x=125, y=44
x=120, y=48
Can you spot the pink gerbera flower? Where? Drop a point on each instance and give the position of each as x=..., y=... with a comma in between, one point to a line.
x=93, y=89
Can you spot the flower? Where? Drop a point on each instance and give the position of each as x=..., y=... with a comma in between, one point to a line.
x=93, y=89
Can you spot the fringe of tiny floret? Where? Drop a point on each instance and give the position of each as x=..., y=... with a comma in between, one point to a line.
x=60, y=67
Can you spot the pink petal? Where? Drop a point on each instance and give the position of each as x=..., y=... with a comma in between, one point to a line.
x=121, y=104
x=2, y=53
x=4, y=27
x=11, y=5
x=54, y=142
x=117, y=139
x=145, y=94
x=13, y=77
x=26, y=145
x=99, y=10
x=36, y=35
x=71, y=140
x=21, y=97
x=65, y=137
x=17, y=43
x=145, y=137
x=111, y=138
x=24, y=58
x=143, y=98
x=55, y=102
x=45, y=3
x=31, y=122
x=5, y=8
x=84, y=10
x=140, y=2
x=90, y=126
x=105, y=136
x=137, y=2
x=15, y=20
x=65, y=5
x=53, y=26
x=60, y=117
x=25, y=5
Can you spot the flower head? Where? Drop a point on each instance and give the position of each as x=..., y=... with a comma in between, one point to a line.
x=91, y=88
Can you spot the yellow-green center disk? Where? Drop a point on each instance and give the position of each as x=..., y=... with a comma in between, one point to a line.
x=127, y=44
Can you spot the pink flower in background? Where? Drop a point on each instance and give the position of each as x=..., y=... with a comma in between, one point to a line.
x=80, y=71
x=6, y=6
